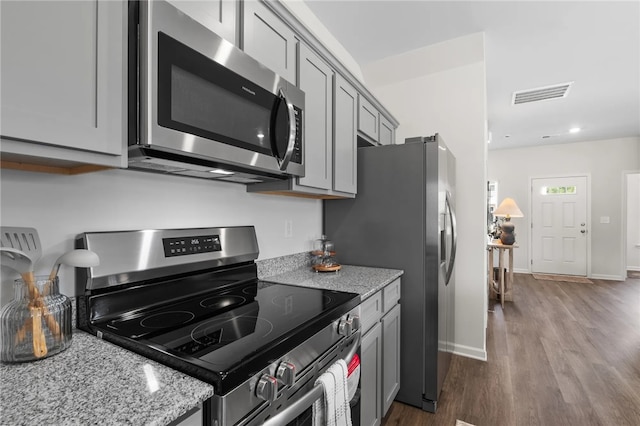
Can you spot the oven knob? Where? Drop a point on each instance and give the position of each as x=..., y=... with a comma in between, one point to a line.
x=355, y=322
x=267, y=388
x=286, y=373
x=345, y=327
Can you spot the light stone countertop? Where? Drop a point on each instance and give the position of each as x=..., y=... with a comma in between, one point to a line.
x=363, y=280
x=96, y=382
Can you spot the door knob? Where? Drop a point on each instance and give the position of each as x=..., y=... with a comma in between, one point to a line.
x=583, y=231
x=582, y=224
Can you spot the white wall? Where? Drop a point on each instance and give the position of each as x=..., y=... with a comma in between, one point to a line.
x=633, y=221
x=60, y=207
x=604, y=161
x=441, y=89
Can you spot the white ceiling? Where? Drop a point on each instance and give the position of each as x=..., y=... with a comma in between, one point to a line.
x=529, y=44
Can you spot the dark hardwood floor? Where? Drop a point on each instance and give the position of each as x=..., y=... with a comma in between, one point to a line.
x=561, y=354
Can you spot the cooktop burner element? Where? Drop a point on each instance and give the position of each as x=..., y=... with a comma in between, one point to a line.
x=167, y=319
x=220, y=302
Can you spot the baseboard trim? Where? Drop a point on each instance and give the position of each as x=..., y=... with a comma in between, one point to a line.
x=607, y=277
x=633, y=268
x=470, y=352
x=521, y=271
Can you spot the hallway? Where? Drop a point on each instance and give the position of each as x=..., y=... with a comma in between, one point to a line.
x=560, y=354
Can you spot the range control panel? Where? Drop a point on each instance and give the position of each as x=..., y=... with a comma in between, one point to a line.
x=191, y=245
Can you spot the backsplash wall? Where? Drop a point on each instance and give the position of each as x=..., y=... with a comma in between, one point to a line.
x=61, y=207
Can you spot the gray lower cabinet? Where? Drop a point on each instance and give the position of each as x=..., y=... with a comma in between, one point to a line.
x=269, y=40
x=391, y=357
x=371, y=366
x=380, y=353
x=63, y=83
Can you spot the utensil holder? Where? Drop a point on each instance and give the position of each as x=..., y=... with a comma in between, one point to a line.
x=37, y=323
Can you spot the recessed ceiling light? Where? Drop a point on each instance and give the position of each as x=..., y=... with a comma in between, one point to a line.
x=507, y=136
x=574, y=130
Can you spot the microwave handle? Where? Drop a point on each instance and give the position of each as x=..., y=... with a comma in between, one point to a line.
x=292, y=131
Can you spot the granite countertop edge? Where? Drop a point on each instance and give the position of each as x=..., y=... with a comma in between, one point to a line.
x=94, y=379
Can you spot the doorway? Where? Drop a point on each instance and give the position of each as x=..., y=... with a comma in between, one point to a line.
x=560, y=225
x=632, y=234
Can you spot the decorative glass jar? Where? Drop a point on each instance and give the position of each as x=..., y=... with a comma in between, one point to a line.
x=37, y=323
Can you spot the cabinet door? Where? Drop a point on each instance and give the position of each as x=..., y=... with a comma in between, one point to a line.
x=345, y=155
x=390, y=357
x=217, y=15
x=62, y=77
x=387, y=132
x=269, y=40
x=368, y=119
x=316, y=80
x=371, y=380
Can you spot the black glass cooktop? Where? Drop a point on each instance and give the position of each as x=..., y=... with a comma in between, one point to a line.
x=224, y=331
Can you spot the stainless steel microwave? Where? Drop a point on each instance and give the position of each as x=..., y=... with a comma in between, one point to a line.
x=201, y=107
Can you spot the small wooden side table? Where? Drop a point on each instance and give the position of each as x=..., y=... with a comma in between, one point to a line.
x=504, y=289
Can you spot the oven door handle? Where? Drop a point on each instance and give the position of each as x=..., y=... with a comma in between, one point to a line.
x=294, y=410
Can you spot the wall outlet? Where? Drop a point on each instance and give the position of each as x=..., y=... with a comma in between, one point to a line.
x=288, y=228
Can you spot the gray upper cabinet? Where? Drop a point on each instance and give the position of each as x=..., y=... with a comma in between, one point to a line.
x=316, y=80
x=368, y=119
x=387, y=133
x=269, y=40
x=63, y=82
x=217, y=15
x=345, y=136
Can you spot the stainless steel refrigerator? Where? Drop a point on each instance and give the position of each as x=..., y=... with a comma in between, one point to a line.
x=403, y=217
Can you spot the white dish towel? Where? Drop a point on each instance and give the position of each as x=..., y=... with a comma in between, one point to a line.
x=333, y=408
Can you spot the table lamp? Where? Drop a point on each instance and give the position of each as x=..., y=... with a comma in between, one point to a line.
x=508, y=209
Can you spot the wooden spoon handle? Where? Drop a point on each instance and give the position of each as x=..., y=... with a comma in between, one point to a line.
x=49, y=319
x=39, y=341
x=30, y=279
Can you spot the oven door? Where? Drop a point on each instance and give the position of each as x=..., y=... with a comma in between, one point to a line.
x=300, y=411
x=201, y=96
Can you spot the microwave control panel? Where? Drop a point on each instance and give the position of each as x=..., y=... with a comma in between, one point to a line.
x=191, y=245
x=296, y=157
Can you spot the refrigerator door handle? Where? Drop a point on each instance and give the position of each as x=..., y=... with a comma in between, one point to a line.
x=454, y=238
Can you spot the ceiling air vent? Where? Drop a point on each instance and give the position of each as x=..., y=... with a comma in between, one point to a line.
x=542, y=93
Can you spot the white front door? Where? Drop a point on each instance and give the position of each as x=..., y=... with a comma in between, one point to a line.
x=559, y=225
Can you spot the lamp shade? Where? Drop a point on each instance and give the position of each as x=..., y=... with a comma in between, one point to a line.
x=508, y=208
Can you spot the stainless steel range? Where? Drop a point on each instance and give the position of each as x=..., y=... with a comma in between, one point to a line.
x=191, y=299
